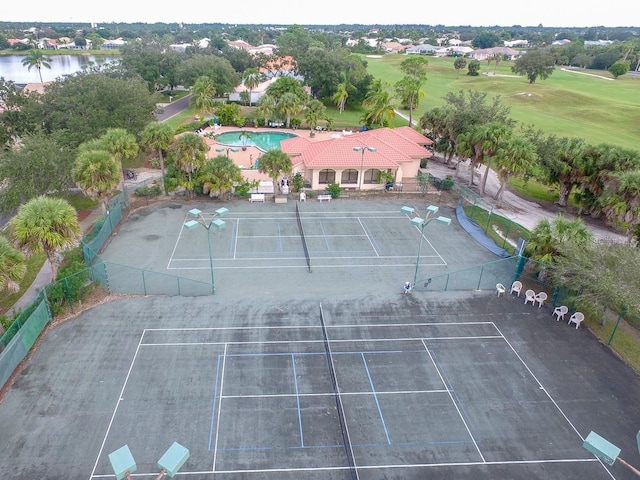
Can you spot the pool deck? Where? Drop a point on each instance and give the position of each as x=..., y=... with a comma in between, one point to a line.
x=246, y=158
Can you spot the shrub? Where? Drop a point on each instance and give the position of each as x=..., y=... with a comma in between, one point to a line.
x=447, y=183
x=74, y=282
x=334, y=190
x=148, y=191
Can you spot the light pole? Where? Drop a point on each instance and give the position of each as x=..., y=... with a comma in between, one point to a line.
x=198, y=219
x=222, y=149
x=362, y=149
x=422, y=224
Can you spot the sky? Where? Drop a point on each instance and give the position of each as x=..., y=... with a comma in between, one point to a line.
x=548, y=13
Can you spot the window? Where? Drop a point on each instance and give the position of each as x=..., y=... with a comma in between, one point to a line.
x=327, y=176
x=349, y=176
x=372, y=176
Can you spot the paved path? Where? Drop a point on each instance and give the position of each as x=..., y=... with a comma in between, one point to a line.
x=44, y=276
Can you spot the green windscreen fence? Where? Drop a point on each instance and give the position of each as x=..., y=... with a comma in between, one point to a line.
x=101, y=231
x=480, y=277
x=17, y=341
x=136, y=281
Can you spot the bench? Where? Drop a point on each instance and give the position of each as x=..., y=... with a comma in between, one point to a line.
x=281, y=199
x=257, y=197
x=324, y=197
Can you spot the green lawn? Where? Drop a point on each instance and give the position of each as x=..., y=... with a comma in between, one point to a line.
x=566, y=104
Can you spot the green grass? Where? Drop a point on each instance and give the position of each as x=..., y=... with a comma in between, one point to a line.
x=493, y=223
x=624, y=343
x=80, y=201
x=566, y=104
x=34, y=264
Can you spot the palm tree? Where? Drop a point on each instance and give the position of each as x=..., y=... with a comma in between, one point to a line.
x=548, y=236
x=251, y=80
x=48, y=225
x=189, y=154
x=289, y=104
x=621, y=200
x=340, y=97
x=480, y=142
x=314, y=112
x=122, y=145
x=266, y=107
x=35, y=58
x=514, y=156
x=159, y=136
x=379, y=104
x=219, y=175
x=204, y=95
x=12, y=266
x=274, y=163
x=97, y=173
x=244, y=137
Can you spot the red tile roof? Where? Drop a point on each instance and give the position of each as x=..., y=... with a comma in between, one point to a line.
x=392, y=148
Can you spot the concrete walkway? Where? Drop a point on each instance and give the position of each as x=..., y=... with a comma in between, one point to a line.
x=44, y=276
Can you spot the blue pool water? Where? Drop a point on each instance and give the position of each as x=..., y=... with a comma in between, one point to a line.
x=263, y=140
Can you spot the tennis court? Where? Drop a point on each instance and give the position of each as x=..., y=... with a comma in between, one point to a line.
x=449, y=387
x=262, y=247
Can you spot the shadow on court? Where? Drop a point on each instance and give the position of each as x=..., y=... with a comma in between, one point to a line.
x=433, y=385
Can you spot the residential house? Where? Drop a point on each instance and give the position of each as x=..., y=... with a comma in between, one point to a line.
x=345, y=158
x=393, y=47
x=516, y=43
x=113, y=44
x=484, y=53
x=423, y=49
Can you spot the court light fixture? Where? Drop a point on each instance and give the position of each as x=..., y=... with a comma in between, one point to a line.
x=363, y=150
x=199, y=220
x=607, y=451
x=124, y=465
x=422, y=223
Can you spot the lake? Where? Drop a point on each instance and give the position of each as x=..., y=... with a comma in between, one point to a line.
x=11, y=67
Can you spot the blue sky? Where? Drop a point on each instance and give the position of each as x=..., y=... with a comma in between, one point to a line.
x=549, y=13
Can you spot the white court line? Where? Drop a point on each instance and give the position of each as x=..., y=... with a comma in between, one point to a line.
x=368, y=237
x=173, y=252
x=453, y=401
x=375, y=467
x=316, y=327
x=297, y=342
x=550, y=398
x=115, y=410
x=215, y=445
x=235, y=243
x=331, y=394
x=425, y=239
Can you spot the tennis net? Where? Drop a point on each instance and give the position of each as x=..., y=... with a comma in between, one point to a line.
x=341, y=418
x=304, y=240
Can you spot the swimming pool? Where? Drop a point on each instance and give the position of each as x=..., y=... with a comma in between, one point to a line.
x=263, y=140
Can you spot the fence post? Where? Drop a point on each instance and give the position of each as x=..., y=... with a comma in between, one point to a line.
x=68, y=293
x=144, y=283
x=616, y=327
x=480, y=279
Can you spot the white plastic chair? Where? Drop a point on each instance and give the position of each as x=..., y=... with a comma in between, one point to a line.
x=516, y=287
x=541, y=298
x=576, y=318
x=530, y=296
x=560, y=312
x=500, y=288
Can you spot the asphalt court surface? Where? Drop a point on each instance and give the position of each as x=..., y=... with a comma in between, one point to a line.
x=385, y=237
x=368, y=243
x=436, y=386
